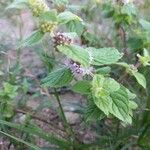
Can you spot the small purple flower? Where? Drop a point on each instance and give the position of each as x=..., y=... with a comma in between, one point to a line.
x=77, y=69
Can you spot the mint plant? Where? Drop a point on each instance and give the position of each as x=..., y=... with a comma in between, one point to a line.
x=88, y=68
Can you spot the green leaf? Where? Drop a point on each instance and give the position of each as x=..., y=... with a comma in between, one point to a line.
x=120, y=105
x=135, y=43
x=76, y=53
x=129, y=9
x=58, y=78
x=92, y=112
x=145, y=59
x=9, y=90
x=111, y=85
x=145, y=24
x=130, y=94
x=111, y=98
x=8, y=110
x=76, y=26
x=103, y=101
x=21, y=141
x=140, y=78
x=103, y=70
x=18, y=4
x=101, y=92
x=104, y=56
x=34, y=38
x=67, y=16
x=50, y=15
x=82, y=87
x=133, y=105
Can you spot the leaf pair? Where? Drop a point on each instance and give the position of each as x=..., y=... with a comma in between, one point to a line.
x=91, y=56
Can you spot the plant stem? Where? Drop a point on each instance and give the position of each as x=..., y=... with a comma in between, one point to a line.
x=68, y=128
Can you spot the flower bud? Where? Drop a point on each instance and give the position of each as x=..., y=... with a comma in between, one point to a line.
x=38, y=7
x=48, y=26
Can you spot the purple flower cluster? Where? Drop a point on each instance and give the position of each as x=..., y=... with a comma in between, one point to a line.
x=77, y=69
x=61, y=39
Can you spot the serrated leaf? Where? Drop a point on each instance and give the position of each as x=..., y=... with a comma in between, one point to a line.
x=101, y=92
x=34, y=38
x=111, y=98
x=140, y=78
x=76, y=53
x=76, y=26
x=67, y=16
x=82, y=87
x=92, y=113
x=145, y=24
x=58, y=78
x=104, y=56
x=9, y=90
x=120, y=105
x=50, y=15
x=103, y=101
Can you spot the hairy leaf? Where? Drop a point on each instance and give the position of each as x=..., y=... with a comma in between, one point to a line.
x=120, y=105
x=92, y=113
x=111, y=98
x=34, y=38
x=104, y=56
x=76, y=53
x=58, y=78
x=101, y=92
